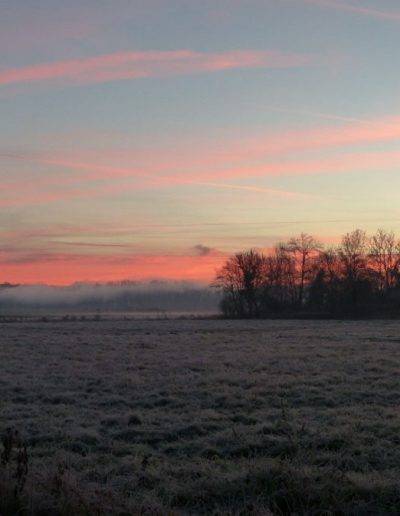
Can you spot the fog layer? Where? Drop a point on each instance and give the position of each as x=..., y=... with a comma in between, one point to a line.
x=154, y=295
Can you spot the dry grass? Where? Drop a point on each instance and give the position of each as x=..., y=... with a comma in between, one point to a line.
x=188, y=417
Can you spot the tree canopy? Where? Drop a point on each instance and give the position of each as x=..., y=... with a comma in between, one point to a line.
x=358, y=277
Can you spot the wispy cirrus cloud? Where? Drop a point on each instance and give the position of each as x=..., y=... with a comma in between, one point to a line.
x=338, y=164
x=356, y=9
x=92, y=175
x=272, y=192
x=159, y=163
x=114, y=181
x=365, y=132
x=135, y=65
x=15, y=198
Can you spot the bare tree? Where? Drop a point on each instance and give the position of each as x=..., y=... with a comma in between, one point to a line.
x=352, y=253
x=329, y=261
x=345, y=280
x=284, y=267
x=304, y=249
x=325, y=284
x=384, y=253
x=355, y=270
x=241, y=278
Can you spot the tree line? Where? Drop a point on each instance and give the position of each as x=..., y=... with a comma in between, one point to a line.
x=358, y=277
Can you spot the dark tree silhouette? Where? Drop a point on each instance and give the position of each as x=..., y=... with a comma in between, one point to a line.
x=304, y=248
x=241, y=279
x=361, y=276
x=384, y=253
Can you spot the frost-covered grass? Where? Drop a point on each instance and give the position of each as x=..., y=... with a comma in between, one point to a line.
x=187, y=417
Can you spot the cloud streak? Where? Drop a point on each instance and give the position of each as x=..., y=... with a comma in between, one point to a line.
x=135, y=65
x=285, y=194
x=88, y=175
x=158, y=163
x=348, y=162
x=356, y=9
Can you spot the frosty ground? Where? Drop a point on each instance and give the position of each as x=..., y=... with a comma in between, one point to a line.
x=202, y=416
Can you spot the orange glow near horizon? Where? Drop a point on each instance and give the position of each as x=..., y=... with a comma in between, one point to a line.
x=64, y=269
x=67, y=269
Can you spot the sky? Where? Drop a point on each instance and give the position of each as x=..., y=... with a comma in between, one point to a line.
x=144, y=139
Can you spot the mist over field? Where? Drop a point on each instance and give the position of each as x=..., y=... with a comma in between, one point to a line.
x=121, y=296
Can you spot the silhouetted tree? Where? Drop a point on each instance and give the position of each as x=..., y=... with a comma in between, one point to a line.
x=352, y=253
x=282, y=269
x=361, y=276
x=384, y=253
x=241, y=280
x=325, y=289
x=353, y=256
x=303, y=248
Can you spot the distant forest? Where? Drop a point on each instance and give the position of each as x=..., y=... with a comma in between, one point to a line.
x=359, y=277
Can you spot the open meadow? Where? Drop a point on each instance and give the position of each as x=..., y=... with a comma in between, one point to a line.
x=200, y=417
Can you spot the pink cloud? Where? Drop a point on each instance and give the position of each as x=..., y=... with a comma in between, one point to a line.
x=155, y=163
x=273, y=192
x=14, y=198
x=227, y=151
x=94, y=174
x=349, y=162
x=114, y=180
x=132, y=65
x=280, y=165
x=357, y=9
x=384, y=129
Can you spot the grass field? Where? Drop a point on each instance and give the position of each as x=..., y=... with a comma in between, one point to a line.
x=201, y=416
